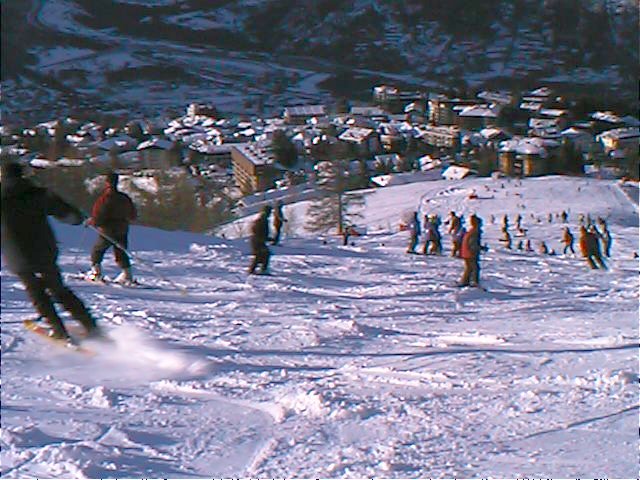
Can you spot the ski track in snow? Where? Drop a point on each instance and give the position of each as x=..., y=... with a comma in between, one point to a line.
x=347, y=361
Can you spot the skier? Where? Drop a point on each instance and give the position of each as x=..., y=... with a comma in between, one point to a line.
x=31, y=252
x=564, y=216
x=470, y=253
x=111, y=214
x=456, y=231
x=437, y=237
x=590, y=248
x=506, y=238
x=414, y=230
x=505, y=222
x=259, y=238
x=542, y=248
x=567, y=239
x=527, y=246
x=605, y=236
x=429, y=236
x=278, y=221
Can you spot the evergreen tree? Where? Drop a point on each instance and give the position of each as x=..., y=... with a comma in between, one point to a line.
x=335, y=209
x=284, y=149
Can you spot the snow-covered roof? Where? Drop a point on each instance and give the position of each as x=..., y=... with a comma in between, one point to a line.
x=355, y=134
x=490, y=133
x=478, y=111
x=155, y=142
x=367, y=111
x=626, y=133
x=305, y=111
x=553, y=112
x=455, y=172
x=496, y=97
x=525, y=146
x=121, y=142
x=607, y=116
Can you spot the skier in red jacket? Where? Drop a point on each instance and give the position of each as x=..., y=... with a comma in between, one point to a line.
x=470, y=253
x=111, y=214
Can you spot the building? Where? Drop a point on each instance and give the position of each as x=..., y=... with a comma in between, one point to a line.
x=365, y=140
x=442, y=108
x=476, y=117
x=441, y=137
x=300, y=114
x=253, y=167
x=523, y=157
x=620, y=139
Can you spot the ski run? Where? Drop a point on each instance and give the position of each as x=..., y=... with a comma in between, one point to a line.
x=346, y=361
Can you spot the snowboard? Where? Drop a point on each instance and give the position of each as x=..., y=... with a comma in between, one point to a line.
x=41, y=329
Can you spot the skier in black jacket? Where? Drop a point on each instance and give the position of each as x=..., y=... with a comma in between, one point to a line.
x=259, y=238
x=30, y=250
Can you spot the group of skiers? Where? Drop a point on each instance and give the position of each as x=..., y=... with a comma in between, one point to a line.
x=30, y=248
x=260, y=236
x=593, y=241
x=465, y=243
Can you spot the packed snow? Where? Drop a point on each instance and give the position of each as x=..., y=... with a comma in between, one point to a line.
x=347, y=361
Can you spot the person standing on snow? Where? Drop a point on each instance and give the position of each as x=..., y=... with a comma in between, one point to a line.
x=414, y=231
x=470, y=253
x=567, y=239
x=590, y=248
x=30, y=249
x=259, y=238
x=605, y=236
x=112, y=213
x=278, y=221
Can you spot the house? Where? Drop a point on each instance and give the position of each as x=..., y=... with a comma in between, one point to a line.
x=395, y=100
x=441, y=108
x=620, y=139
x=581, y=139
x=382, y=93
x=475, y=117
x=388, y=163
x=496, y=98
x=523, y=157
x=253, y=166
x=441, y=137
x=202, y=109
x=365, y=140
x=367, y=111
x=298, y=115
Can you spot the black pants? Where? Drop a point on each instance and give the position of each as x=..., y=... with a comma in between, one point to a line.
x=413, y=241
x=261, y=254
x=102, y=245
x=471, y=274
x=595, y=261
x=276, y=238
x=568, y=246
x=45, y=287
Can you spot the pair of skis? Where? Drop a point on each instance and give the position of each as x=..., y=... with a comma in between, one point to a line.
x=74, y=344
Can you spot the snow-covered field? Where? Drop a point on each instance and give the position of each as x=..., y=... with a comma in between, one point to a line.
x=348, y=361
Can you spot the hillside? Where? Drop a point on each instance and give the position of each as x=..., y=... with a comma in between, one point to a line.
x=348, y=361
x=248, y=56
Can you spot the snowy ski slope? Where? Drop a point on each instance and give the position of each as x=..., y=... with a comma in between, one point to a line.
x=348, y=361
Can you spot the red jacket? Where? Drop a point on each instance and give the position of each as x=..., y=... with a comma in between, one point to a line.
x=113, y=210
x=470, y=247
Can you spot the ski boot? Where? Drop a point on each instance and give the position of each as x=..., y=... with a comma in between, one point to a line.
x=95, y=274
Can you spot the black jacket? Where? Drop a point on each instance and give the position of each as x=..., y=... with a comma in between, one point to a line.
x=28, y=242
x=260, y=230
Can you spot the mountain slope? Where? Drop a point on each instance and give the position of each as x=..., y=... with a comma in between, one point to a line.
x=348, y=361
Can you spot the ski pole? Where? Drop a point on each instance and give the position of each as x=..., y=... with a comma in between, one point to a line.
x=75, y=260
x=151, y=268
